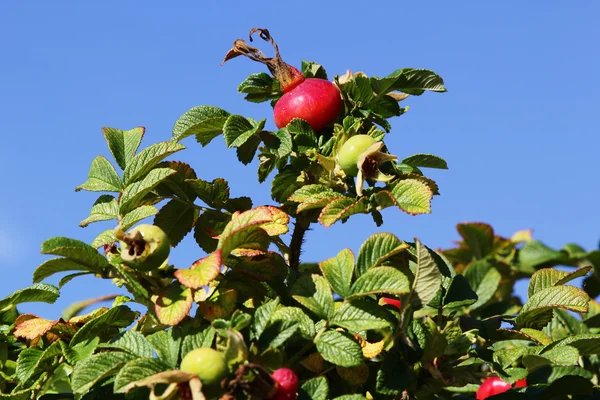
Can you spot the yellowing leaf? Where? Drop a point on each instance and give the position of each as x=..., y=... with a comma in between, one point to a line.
x=173, y=305
x=33, y=328
x=202, y=272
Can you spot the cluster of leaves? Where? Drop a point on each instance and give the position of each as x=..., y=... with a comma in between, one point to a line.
x=251, y=298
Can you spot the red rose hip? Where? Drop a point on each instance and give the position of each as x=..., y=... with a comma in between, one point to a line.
x=315, y=100
x=494, y=385
x=287, y=384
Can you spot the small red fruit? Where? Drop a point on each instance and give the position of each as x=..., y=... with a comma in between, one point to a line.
x=287, y=384
x=315, y=100
x=393, y=302
x=494, y=385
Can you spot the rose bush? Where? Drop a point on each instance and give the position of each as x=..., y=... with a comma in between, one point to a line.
x=254, y=316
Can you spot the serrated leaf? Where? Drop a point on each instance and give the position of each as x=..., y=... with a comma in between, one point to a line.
x=173, y=304
x=534, y=313
x=147, y=159
x=409, y=80
x=478, y=237
x=314, y=293
x=362, y=314
x=118, y=317
x=132, y=342
x=176, y=184
x=278, y=332
x=314, y=389
x=428, y=278
x=208, y=226
x=206, y=122
x=176, y=219
x=311, y=69
x=81, y=351
x=33, y=328
x=123, y=144
x=27, y=362
x=314, y=196
x=136, y=370
x=260, y=87
x=242, y=226
x=376, y=250
x=262, y=316
x=285, y=184
x=39, y=292
x=204, y=338
x=167, y=345
x=102, y=177
x=459, y=293
x=202, y=272
x=94, y=369
x=535, y=253
x=106, y=237
x=295, y=314
x=75, y=250
x=338, y=271
x=135, y=192
x=136, y=215
x=215, y=193
x=104, y=209
x=56, y=265
x=425, y=161
x=340, y=209
x=562, y=355
x=486, y=288
x=68, y=278
x=238, y=129
x=263, y=267
x=409, y=195
x=339, y=348
x=586, y=344
x=246, y=151
x=380, y=280
x=548, y=277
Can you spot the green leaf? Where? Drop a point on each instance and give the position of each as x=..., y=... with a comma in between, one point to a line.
x=123, y=144
x=245, y=152
x=96, y=368
x=393, y=377
x=81, y=351
x=215, y=193
x=586, y=344
x=131, y=283
x=135, y=193
x=534, y=253
x=56, y=265
x=314, y=196
x=551, y=373
x=537, y=311
x=341, y=209
x=484, y=279
x=176, y=219
x=459, y=293
x=266, y=166
x=338, y=271
x=314, y=389
x=104, y=209
x=31, y=360
x=68, y=278
x=313, y=70
x=562, y=355
x=359, y=90
x=117, y=317
x=409, y=195
x=263, y=267
x=314, y=293
x=339, y=348
x=376, y=250
x=237, y=130
x=136, y=370
x=548, y=277
x=136, y=215
x=204, y=338
x=425, y=161
x=362, y=314
x=173, y=304
x=167, y=345
x=296, y=315
x=39, y=292
x=262, y=316
x=147, y=159
x=428, y=278
x=478, y=236
x=278, y=332
x=260, y=87
x=409, y=80
x=106, y=237
x=132, y=342
x=206, y=122
x=285, y=184
x=18, y=395
x=75, y=250
x=381, y=280
x=208, y=225
x=102, y=177
x=202, y=272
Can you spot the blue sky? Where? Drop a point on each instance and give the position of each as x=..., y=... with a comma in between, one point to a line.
x=518, y=126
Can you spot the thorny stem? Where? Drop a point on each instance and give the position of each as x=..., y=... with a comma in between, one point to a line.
x=300, y=228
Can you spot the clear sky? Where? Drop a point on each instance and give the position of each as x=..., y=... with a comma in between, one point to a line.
x=518, y=126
